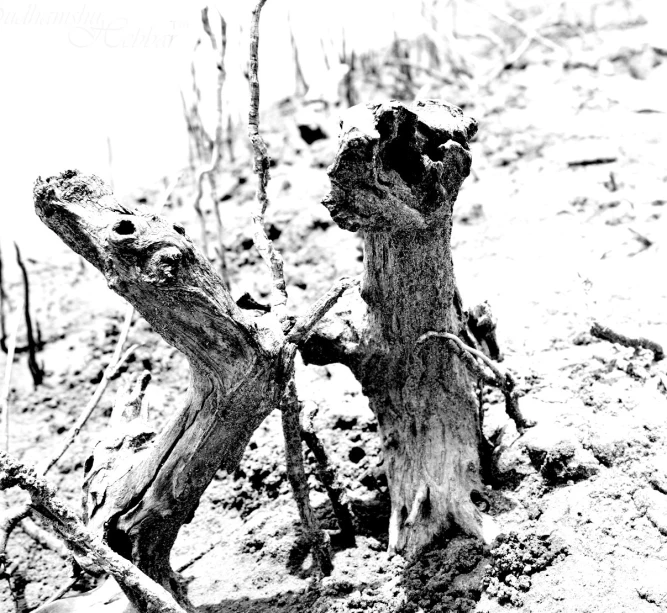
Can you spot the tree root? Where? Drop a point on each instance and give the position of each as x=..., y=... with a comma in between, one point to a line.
x=503, y=380
x=607, y=334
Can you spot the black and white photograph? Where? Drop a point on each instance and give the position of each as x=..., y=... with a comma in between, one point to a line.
x=333, y=306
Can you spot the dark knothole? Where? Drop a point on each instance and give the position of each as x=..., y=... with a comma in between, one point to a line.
x=124, y=227
x=480, y=501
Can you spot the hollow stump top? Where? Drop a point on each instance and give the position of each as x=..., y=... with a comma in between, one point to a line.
x=399, y=167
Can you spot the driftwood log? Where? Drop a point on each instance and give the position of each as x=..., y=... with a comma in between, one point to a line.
x=395, y=178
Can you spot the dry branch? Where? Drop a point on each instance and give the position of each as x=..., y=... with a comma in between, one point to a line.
x=36, y=370
x=305, y=324
x=144, y=593
x=3, y=299
x=607, y=334
x=329, y=478
x=318, y=539
x=9, y=520
x=238, y=372
x=4, y=398
x=23, y=511
x=264, y=246
x=211, y=170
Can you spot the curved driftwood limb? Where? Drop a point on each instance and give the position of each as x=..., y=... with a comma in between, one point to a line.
x=237, y=364
x=396, y=176
x=142, y=591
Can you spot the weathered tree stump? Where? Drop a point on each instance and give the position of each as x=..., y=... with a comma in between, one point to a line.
x=396, y=176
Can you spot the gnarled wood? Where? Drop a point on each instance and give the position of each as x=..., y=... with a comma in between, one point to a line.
x=238, y=370
x=396, y=176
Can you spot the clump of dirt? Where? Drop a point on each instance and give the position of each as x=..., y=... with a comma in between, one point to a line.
x=447, y=578
x=564, y=462
x=515, y=559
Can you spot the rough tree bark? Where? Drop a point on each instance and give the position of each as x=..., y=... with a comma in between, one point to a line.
x=395, y=177
x=240, y=366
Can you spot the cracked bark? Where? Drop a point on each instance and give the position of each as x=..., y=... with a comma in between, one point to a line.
x=395, y=177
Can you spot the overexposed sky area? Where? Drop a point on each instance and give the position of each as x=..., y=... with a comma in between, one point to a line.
x=74, y=75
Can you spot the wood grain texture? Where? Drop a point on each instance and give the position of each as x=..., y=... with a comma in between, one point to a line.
x=138, y=499
x=395, y=177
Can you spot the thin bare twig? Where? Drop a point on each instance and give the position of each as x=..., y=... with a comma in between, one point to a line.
x=36, y=370
x=301, y=84
x=115, y=363
x=153, y=597
x=3, y=298
x=319, y=540
x=500, y=379
x=329, y=478
x=508, y=62
x=4, y=399
x=211, y=170
x=10, y=519
x=219, y=138
x=305, y=324
x=202, y=172
x=264, y=246
x=607, y=334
